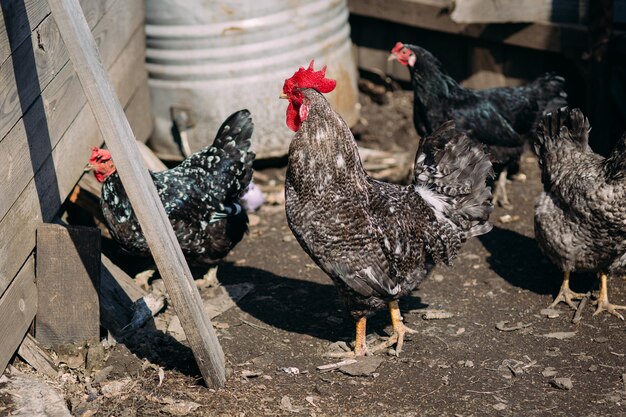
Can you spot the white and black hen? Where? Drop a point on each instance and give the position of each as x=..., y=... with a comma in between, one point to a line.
x=377, y=241
x=580, y=218
x=201, y=196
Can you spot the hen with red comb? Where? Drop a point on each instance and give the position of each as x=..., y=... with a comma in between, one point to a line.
x=201, y=196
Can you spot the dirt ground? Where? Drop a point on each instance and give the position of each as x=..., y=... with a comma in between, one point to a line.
x=496, y=354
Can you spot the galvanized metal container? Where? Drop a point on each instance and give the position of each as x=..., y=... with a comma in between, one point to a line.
x=207, y=59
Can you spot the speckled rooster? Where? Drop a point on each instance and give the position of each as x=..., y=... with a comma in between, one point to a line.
x=377, y=240
x=201, y=196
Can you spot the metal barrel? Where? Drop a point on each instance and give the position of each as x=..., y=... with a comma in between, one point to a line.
x=207, y=59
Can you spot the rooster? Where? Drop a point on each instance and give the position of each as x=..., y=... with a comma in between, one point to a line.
x=501, y=118
x=580, y=219
x=377, y=241
x=201, y=196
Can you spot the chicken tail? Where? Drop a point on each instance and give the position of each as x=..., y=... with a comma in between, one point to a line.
x=229, y=159
x=549, y=92
x=450, y=174
x=563, y=127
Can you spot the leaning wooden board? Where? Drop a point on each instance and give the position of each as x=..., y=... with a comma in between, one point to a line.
x=61, y=133
x=141, y=191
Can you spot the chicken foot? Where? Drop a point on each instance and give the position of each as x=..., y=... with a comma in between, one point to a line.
x=603, y=299
x=360, y=345
x=399, y=330
x=566, y=295
x=499, y=194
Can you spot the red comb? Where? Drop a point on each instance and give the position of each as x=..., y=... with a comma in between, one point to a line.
x=398, y=47
x=97, y=152
x=308, y=78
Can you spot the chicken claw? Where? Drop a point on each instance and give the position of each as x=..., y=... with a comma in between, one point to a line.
x=603, y=299
x=399, y=330
x=566, y=295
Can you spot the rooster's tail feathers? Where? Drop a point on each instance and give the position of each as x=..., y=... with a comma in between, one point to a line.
x=452, y=169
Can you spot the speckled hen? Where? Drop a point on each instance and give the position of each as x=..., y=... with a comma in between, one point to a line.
x=580, y=218
x=503, y=118
x=201, y=196
x=377, y=241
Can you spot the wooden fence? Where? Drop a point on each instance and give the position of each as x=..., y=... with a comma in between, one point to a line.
x=47, y=128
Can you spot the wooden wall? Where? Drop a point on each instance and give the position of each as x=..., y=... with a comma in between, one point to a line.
x=47, y=128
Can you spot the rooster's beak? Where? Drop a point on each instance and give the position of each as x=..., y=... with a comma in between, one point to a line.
x=88, y=168
x=283, y=95
x=391, y=57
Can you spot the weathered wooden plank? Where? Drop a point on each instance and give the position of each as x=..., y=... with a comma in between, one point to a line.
x=68, y=283
x=28, y=145
x=566, y=38
x=24, y=16
x=140, y=119
x=43, y=194
x=141, y=191
x=35, y=356
x=514, y=11
x=17, y=310
x=118, y=293
x=33, y=65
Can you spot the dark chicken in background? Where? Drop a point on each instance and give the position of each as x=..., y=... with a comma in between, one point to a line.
x=580, y=218
x=503, y=118
x=377, y=241
x=201, y=196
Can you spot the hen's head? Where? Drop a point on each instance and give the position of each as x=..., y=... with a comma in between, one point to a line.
x=101, y=163
x=403, y=54
x=298, y=109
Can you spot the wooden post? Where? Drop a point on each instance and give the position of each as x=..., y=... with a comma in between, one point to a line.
x=68, y=280
x=141, y=191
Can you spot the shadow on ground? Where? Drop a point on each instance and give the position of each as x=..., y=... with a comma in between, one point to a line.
x=302, y=307
x=518, y=260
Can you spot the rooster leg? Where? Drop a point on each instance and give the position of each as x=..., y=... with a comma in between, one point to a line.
x=360, y=346
x=499, y=195
x=399, y=330
x=603, y=299
x=566, y=295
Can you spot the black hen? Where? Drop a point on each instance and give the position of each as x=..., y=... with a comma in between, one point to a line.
x=201, y=196
x=504, y=118
x=580, y=218
x=377, y=241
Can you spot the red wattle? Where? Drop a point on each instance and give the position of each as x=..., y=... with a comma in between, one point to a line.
x=293, y=118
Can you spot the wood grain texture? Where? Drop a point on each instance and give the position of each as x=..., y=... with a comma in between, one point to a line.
x=29, y=143
x=32, y=353
x=565, y=38
x=25, y=16
x=141, y=191
x=37, y=204
x=17, y=310
x=514, y=11
x=36, y=62
x=68, y=282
